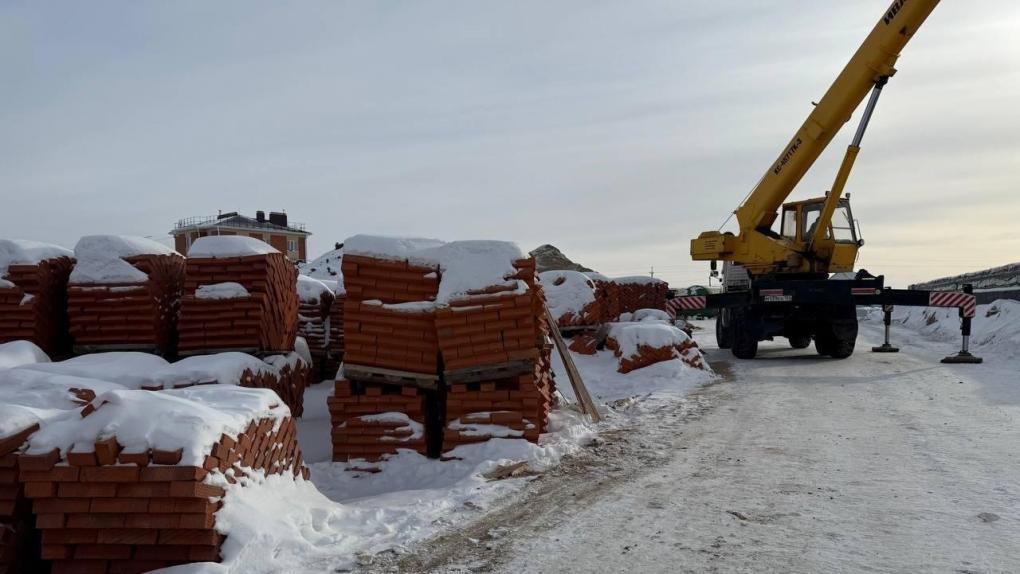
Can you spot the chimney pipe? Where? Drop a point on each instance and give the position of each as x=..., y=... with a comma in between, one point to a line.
x=260, y=216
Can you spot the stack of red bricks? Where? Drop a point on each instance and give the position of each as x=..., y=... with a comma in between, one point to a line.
x=335, y=349
x=264, y=321
x=19, y=541
x=607, y=293
x=118, y=512
x=501, y=329
x=33, y=295
x=641, y=293
x=565, y=290
x=129, y=315
x=316, y=302
x=372, y=420
x=387, y=320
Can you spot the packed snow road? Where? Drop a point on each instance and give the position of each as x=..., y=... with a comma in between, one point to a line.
x=878, y=463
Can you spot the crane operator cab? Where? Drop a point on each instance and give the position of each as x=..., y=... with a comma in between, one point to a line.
x=838, y=246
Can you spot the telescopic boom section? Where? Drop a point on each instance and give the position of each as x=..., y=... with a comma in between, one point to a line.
x=873, y=61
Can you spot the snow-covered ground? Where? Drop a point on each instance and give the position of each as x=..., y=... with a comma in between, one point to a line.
x=876, y=463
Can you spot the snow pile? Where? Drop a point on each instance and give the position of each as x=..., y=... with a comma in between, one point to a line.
x=995, y=328
x=227, y=290
x=642, y=315
x=569, y=294
x=464, y=265
x=311, y=289
x=18, y=353
x=638, y=345
x=100, y=258
x=326, y=268
x=222, y=368
x=191, y=419
x=220, y=246
x=28, y=397
x=129, y=369
x=26, y=252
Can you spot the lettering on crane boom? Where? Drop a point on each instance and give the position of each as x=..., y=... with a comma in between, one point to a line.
x=786, y=156
x=893, y=11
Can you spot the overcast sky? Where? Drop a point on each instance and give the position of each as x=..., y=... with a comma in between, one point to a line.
x=614, y=130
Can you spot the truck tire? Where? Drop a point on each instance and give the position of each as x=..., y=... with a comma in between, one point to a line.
x=745, y=335
x=723, y=330
x=800, y=341
x=836, y=340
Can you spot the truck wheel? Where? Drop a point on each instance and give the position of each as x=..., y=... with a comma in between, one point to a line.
x=723, y=330
x=800, y=341
x=824, y=343
x=844, y=340
x=745, y=336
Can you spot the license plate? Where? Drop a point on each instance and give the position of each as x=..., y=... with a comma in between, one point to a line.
x=778, y=298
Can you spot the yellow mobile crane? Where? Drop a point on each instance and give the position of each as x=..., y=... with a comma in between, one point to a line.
x=777, y=282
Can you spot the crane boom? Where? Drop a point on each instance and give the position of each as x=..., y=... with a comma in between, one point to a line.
x=873, y=60
x=756, y=246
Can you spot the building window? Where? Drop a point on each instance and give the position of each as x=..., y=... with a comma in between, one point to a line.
x=292, y=245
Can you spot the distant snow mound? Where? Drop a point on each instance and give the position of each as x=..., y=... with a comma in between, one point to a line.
x=220, y=246
x=549, y=258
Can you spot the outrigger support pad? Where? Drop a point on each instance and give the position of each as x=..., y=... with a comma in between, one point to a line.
x=964, y=356
x=886, y=347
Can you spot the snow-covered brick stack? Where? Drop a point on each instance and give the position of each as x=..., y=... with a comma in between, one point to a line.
x=335, y=350
x=19, y=541
x=133, y=483
x=584, y=344
x=640, y=344
x=125, y=294
x=607, y=293
x=475, y=305
x=640, y=292
x=371, y=420
x=316, y=302
x=571, y=299
x=33, y=294
x=286, y=375
x=240, y=294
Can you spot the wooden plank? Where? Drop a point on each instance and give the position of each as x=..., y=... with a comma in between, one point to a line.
x=587, y=405
x=490, y=372
x=389, y=376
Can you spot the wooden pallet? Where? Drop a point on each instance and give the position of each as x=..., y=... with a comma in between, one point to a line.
x=362, y=373
x=490, y=372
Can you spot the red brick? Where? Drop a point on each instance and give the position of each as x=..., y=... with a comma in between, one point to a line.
x=95, y=520
x=107, y=451
x=60, y=505
x=119, y=505
x=48, y=521
x=172, y=473
x=109, y=474
x=169, y=457
x=102, y=551
x=55, y=474
x=135, y=458
x=125, y=536
x=86, y=490
x=41, y=489
x=81, y=459
x=69, y=536
x=194, y=490
x=79, y=567
x=196, y=520
x=56, y=551
x=143, y=490
x=190, y=537
x=43, y=461
x=204, y=553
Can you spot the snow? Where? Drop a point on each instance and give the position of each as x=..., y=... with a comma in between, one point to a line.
x=409, y=307
x=642, y=315
x=596, y=276
x=129, y=369
x=27, y=252
x=631, y=336
x=464, y=265
x=567, y=292
x=310, y=289
x=100, y=258
x=18, y=353
x=227, y=290
x=301, y=349
x=326, y=268
x=223, y=368
x=995, y=328
x=637, y=280
x=36, y=396
x=191, y=419
x=220, y=246
x=396, y=418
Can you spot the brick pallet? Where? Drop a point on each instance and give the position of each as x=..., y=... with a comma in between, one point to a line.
x=118, y=512
x=360, y=431
x=129, y=316
x=313, y=325
x=335, y=350
x=607, y=294
x=19, y=540
x=641, y=293
x=265, y=321
x=34, y=308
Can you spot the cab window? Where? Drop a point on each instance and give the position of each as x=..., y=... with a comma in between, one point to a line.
x=790, y=223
